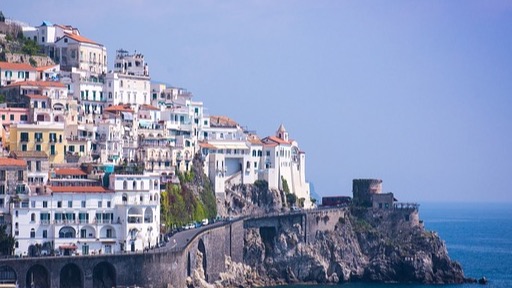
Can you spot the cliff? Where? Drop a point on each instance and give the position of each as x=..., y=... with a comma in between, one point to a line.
x=364, y=245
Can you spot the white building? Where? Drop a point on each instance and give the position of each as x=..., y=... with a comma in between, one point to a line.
x=129, y=83
x=85, y=220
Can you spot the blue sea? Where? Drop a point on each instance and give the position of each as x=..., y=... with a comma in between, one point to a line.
x=478, y=235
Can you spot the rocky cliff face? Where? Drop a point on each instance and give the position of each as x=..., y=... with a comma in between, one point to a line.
x=363, y=246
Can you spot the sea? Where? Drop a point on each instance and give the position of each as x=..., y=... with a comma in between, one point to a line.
x=477, y=235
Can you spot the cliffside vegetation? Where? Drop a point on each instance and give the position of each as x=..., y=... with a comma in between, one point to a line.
x=192, y=199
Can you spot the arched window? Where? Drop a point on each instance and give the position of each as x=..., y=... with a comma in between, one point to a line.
x=156, y=185
x=125, y=185
x=134, y=185
x=150, y=183
x=254, y=153
x=125, y=197
x=32, y=233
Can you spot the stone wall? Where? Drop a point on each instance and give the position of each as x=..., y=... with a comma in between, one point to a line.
x=25, y=58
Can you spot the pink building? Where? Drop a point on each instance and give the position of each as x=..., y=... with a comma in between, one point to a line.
x=10, y=116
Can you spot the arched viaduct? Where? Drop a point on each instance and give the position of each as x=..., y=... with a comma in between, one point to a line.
x=161, y=266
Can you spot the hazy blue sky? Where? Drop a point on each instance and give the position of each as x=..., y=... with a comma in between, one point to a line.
x=417, y=93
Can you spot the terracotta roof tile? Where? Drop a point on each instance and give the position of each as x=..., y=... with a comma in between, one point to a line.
x=16, y=66
x=36, y=96
x=4, y=161
x=78, y=189
x=29, y=154
x=43, y=68
x=118, y=108
x=38, y=84
x=276, y=140
x=206, y=145
x=148, y=107
x=69, y=171
x=80, y=38
x=222, y=121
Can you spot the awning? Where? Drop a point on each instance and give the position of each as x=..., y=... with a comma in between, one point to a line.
x=68, y=246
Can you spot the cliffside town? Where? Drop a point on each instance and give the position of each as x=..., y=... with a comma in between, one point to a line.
x=87, y=150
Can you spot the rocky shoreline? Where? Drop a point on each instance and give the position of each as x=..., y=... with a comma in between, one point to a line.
x=364, y=246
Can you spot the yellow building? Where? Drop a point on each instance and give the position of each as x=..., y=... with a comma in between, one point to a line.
x=48, y=137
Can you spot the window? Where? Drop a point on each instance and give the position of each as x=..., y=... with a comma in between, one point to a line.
x=24, y=136
x=45, y=233
x=70, y=204
x=2, y=189
x=99, y=204
x=38, y=136
x=45, y=204
x=82, y=148
x=83, y=203
x=38, y=147
x=23, y=118
x=125, y=185
x=20, y=175
x=52, y=150
x=33, y=217
x=23, y=147
x=33, y=204
x=108, y=204
x=38, y=166
x=83, y=233
x=32, y=233
x=109, y=233
x=3, y=116
x=29, y=165
x=134, y=185
x=11, y=117
x=59, y=204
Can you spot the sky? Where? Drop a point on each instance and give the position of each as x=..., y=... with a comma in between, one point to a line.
x=416, y=93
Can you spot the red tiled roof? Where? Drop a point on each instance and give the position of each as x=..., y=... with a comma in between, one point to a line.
x=12, y=162
x=78, y=189
x=79, y=38
x=118, y=108
x=206, y=145
x=16, y=66
x=36, y=96
x=42, y=68
x=38, y=84
x=69, y=171
x=148, y=107
x=254, y=139
x=276, y=140
x=222, y=121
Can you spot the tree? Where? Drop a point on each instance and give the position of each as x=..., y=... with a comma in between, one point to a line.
x=6, y=241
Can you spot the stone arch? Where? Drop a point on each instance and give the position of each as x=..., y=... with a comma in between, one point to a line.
x=38, y=276
x=104, y=275
x=105, y=234
x=202, y=249
x=8, y=275
x=71, y=276
x=67, y=232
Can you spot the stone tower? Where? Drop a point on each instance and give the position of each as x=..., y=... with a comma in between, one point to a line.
x=364, y=189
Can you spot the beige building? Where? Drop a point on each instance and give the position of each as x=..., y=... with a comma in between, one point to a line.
x=45, y=136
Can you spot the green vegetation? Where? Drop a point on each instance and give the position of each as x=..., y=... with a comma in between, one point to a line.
x=6, y=241
x=30, y=47
x=181, y=205
x=262, y=185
